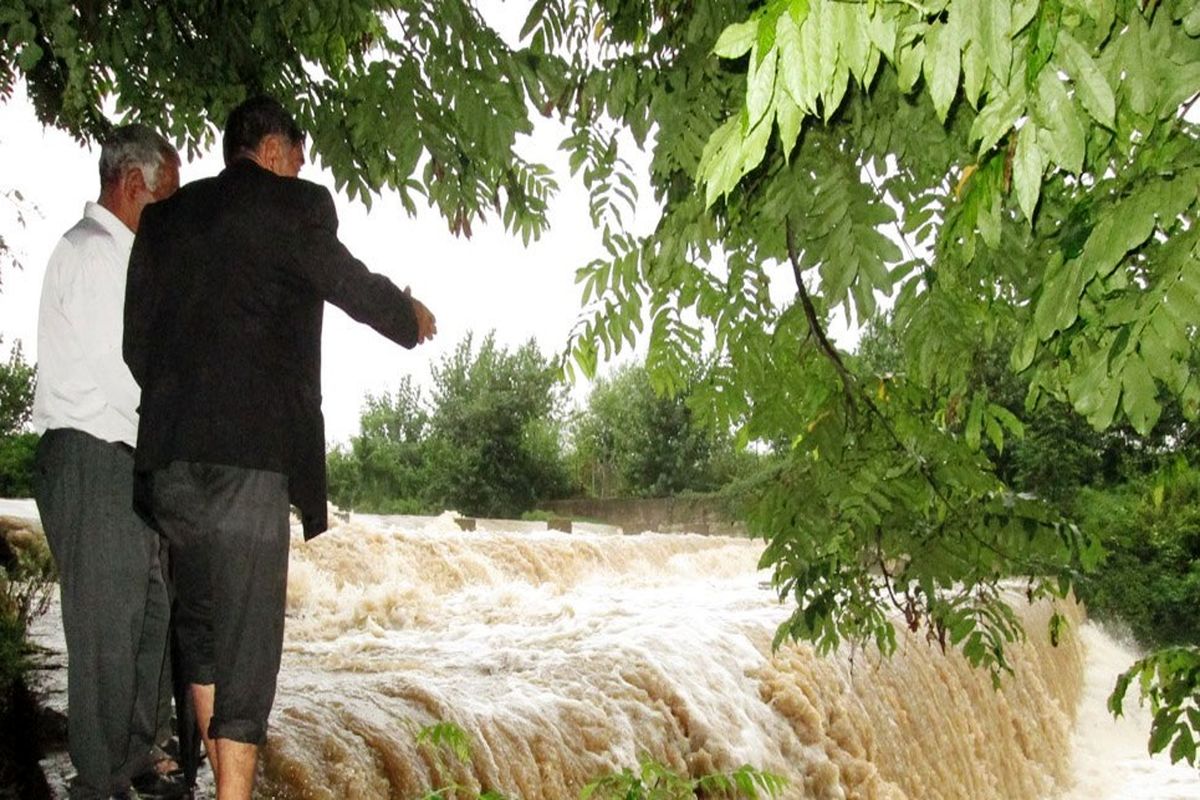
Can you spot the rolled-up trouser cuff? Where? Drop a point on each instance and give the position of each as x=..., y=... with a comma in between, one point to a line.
x=238, y=730
x=199, y=674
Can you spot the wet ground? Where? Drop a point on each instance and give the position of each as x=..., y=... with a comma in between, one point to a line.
x=48, y=681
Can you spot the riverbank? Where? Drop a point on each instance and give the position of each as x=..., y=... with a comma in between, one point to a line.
x=21, y=773
x=24, y=579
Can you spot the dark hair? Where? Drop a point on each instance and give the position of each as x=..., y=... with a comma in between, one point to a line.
x=254, y=120
x=134, y=147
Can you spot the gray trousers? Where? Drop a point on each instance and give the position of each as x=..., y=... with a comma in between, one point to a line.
x=114, y=607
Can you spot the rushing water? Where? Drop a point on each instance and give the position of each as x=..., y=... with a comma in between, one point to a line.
x=567, y=656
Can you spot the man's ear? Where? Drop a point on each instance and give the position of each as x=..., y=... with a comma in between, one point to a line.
x=270, y=151
x=133, y=183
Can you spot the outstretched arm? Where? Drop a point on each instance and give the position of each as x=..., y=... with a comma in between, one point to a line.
x=343, y=280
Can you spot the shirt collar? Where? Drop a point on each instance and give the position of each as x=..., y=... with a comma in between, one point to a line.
x=108, y=220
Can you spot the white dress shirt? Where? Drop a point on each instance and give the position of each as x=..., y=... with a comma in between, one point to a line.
x=83, y=382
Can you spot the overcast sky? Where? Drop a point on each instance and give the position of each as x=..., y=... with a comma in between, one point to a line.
x=489, y=282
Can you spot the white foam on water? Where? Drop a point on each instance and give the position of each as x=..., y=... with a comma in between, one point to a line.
x=1109, y=758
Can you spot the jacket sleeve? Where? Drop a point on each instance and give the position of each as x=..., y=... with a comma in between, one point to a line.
x=139, y=304
x=340, y=278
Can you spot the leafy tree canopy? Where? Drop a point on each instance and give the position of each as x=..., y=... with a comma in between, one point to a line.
x=18, y=443
x=487, y=442
x=385, y=467
x=494, y=439
x=631, y=441
x=417, y=97
x=18, y=379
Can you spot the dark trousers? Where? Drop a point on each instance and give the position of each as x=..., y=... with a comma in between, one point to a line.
x=114, y=606
x=229, y=534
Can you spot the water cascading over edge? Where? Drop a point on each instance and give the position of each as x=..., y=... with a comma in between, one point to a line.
x=566, y=657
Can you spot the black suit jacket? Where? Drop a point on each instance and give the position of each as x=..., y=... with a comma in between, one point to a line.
x=223, y=308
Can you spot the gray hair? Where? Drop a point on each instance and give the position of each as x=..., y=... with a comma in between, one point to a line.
x=134, y=147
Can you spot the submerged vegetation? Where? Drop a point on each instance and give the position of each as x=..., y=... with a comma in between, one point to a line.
x=447, y=745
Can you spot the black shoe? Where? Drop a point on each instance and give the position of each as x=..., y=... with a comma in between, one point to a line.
x=152, y=786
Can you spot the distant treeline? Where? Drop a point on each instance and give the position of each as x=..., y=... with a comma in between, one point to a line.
x=495, y=437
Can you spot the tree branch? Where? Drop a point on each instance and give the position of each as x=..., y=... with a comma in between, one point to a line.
x=814, y=324
x=849, y=383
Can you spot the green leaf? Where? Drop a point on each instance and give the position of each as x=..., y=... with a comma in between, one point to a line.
x=1026, y=348
x=975, y=420
x=1191, y=22
x=760, y=85
x=1008, y=419
x=1041, y=41
x=1061, y=133
x=29, y=56
x=1161, y=731
x=1090, y=387
x=882, y=33
x=737, y=39
x=942, y=63
x=974, y=70
x=995, y=38
x=997, y=118
x=1184, y=747
x=1027, y=168
x=1059, y=304
x=995, y=433
x=1023, y=12
x=854, y=44
x=1140, y=402
x=798, y=10
x=1119, y=230
x=718, y=162
x=819, y=37
x=729, y=155
x=1140, y=60
x=790, y=119
x=1094, y=92
x=797, y=65
x=912, y=59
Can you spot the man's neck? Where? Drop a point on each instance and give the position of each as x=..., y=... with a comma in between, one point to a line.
x=111, y=200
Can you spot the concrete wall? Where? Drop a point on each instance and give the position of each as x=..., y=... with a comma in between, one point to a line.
x=663, y=514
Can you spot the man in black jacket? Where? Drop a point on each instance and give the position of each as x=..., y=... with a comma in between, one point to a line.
x=223, y=308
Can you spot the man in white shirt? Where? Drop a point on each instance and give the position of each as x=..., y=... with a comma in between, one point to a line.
x=114, y=599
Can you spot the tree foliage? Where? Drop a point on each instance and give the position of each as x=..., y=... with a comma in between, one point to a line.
x=18, y=379
x=631, y=441
x=1170, y=678
x=421, y=98
x=385, y=467
x=1004, y=171
x=15, y=209
x=486, y=442
x=494, y=430
x=1151, y=577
